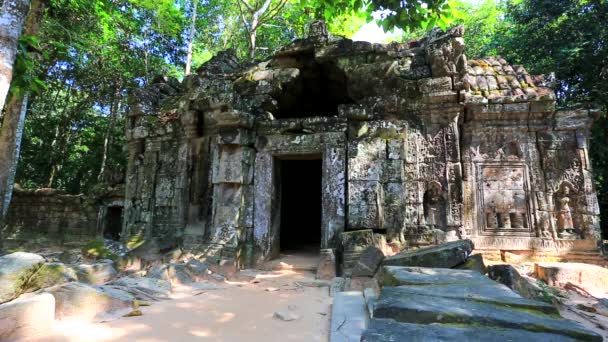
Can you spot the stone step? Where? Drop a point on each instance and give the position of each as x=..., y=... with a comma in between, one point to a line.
x=388, y=330
x=349, y=317
x=407, y=307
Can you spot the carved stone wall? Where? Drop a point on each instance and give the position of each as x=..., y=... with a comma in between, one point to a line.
x=418, y=146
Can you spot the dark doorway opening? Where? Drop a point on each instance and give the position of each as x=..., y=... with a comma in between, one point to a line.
x=317, y=91
x=113, y=224
x=301, y=205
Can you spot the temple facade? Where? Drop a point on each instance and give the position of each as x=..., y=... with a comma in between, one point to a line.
x=332, y=141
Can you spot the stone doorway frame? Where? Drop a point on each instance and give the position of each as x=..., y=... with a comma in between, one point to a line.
x=331, y=147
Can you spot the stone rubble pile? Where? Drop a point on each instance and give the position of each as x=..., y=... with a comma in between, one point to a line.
x=442, y=293
x=34, y=291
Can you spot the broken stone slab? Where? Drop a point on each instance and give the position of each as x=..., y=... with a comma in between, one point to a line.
x=28, y=315
x=388, y=330
x=495, y=293
x=348, y=317
x=88, y=302
x=145, y=288
x=422, y=309
x=97, y=273
x=368, y=262
x=516, y=280
x=446, y=255
x=592, y=278
x=15, y=271
x=396, y=275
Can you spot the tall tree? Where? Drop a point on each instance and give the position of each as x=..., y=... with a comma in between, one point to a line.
x=191, y=37
x=12, y=17
x=255, y=13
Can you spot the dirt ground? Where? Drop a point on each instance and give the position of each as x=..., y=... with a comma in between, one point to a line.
x=236, y=311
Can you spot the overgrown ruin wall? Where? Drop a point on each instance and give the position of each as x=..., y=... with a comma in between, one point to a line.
x=418, y=145
x=51, y=216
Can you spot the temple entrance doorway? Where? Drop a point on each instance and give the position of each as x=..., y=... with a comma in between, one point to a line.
x=300, y=205
x=113, y=224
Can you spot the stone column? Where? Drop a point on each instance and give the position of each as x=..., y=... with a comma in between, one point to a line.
x=232, y=223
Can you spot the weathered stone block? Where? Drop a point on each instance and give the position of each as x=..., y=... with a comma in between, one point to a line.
x=77, y=300
x=399, y=304
x=446, y=255
x=352, y=244
x=368, y=262
x=388, y=330
x=15, y=272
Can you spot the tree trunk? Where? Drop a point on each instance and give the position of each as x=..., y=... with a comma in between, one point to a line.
x=252, y=38
x=191, y=39
x=107, y=141
x=12, y=18
x=10, y=141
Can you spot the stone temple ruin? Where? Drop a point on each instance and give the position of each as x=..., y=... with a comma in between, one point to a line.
x=338, y=144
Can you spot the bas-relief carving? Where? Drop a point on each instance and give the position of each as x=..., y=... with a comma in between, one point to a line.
x=504, y=205
x=565, y=202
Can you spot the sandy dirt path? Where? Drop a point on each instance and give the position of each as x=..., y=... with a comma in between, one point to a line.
x=234, y=312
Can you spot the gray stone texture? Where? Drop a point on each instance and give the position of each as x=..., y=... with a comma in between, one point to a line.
x=434, y=303
x=417, y=143
x=443, y=256
x=368, y=262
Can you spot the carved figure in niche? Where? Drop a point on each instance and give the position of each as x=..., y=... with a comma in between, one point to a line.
x=434, y=206
x=565, y=223
x=545, y=228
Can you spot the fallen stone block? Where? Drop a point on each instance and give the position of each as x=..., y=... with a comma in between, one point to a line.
x=490, y=293
x=88, y=302
x=516, y=280
x=368, y=262
x=397, y=304
x=96, y=274
x=348, y=317
x=388, y=330
x=446, y=255
x=592, y=278
x=145, y=288
x=26, y=316
x=15, y=271
x=395, y=276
